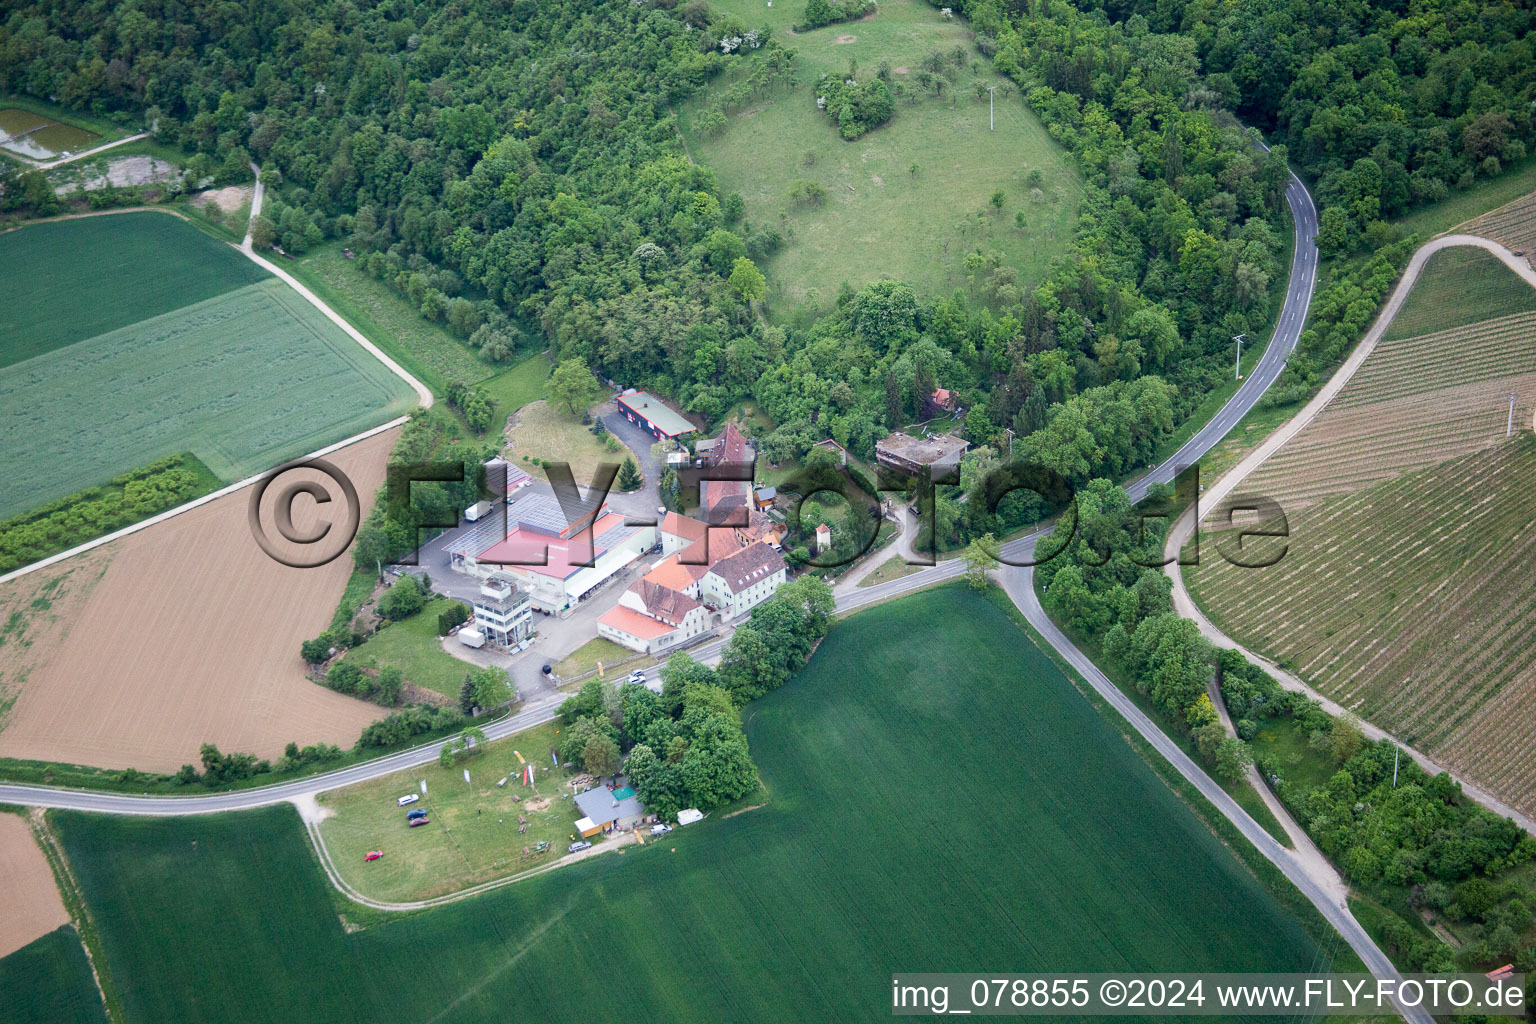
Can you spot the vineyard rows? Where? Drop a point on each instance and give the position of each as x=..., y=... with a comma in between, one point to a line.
x=1513, y=225
x=1411, y=603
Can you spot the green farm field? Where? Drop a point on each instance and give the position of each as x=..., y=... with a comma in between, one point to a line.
x=924, y=813
x=67, y=281
x=49, y=981
x=879, y=219
x=244, y=378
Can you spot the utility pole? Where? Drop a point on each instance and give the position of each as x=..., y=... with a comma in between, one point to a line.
x=1509, y=431
x=1237, y=368
x=1396, y=753
x=991, y=114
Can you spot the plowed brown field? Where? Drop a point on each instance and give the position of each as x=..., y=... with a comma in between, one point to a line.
x=32, y=907
x=137, y=653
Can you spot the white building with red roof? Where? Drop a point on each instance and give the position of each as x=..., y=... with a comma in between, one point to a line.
x=558, y=556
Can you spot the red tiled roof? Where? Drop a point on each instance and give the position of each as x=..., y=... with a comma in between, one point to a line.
x=662, y=602
x=670, y=572
x=682, y=526
x=627, y=620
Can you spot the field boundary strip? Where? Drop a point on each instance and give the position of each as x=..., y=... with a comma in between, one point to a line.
x=1179, y=535
x=144, y=524
x=423, y=393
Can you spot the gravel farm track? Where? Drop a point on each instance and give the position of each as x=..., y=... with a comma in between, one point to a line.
x=1018, y=583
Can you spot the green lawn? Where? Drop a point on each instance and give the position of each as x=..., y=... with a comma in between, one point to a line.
x=928, y=811
x=413, y=646
x=879, y=219
x=511, y=390
x=473, y=835
x=244, y=380
x=586, y=657
x=426, y=350
x=49, y=982
x=1459, y=287
x=893, y=568
x=140, y=265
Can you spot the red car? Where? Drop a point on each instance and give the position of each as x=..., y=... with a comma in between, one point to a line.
x=373, y=855
x=416, y=821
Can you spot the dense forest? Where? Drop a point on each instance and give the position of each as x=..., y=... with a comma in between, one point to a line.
x=514, y=169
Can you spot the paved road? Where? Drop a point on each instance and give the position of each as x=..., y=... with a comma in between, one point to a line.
x=1229, y=482
x=1017, y=582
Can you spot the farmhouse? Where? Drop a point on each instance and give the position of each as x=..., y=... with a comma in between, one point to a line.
x=649, y=412
x=709, y=575
x=557, y=558
x=907, y=454
x=604, y=808
x=941, y=403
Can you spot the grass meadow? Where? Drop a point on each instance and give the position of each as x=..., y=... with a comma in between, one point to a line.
x=473, y=836
x=413, y=646
x=940, y=798
x=879, y=218
x=244, y=381
x=49, y=982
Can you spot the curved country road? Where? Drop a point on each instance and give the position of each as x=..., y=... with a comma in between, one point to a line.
x=1017, y=582
x=1212, y=498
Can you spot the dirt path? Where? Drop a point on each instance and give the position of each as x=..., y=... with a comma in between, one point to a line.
x=875, y=559
x=61, y=161
x=1212, y=498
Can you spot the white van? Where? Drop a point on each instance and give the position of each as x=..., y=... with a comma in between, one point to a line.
x=409, y=798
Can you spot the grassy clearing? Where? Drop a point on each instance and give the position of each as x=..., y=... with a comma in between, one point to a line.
x=547, y=434
x=879, y=219
x=413, y=646
x=244, y=381
x=865, y=858
x=586, y=658
x=893, y=568
x=49, y=982
x=473, y=836
x=140, y=265
x=425, y=349
x=515, y=388
x=1459, y=287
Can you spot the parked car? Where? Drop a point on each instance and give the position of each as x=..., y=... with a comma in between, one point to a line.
x=637, y=676
x=660, y=829
x=580, y=844
x=417, y=821
x=419, y=812
x=409, y=798
x=373, y=855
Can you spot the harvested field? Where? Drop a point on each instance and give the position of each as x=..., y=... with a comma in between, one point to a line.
x=181, y=634
x=1513, y=225
x=32, y=906
x=1410, y=603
